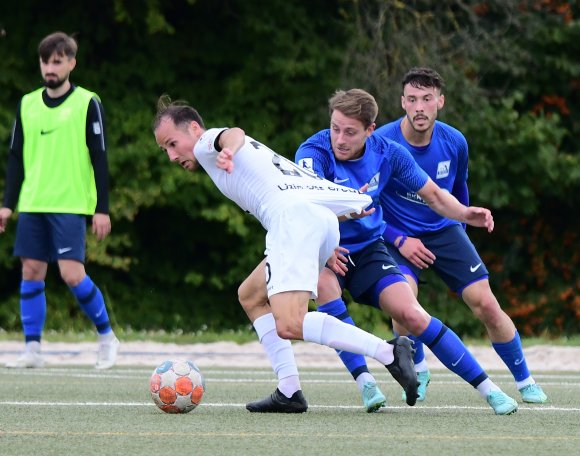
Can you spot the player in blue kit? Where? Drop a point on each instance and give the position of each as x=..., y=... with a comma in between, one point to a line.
x=425, y=239
x=348, y=153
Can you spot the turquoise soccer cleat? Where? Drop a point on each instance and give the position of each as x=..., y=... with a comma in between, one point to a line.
x=533, y=394
x=424, y=379
x=373, y=398
x=501, y=403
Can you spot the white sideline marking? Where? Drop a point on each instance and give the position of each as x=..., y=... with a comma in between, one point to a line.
x=237, y=405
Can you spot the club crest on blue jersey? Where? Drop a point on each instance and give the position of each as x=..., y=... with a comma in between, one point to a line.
x=443, y=169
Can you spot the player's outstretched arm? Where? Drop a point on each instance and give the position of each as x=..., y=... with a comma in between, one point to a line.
x=447, y=205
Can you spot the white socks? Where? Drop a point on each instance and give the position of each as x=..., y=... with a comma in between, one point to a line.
x=279, y=353
x=326, y=330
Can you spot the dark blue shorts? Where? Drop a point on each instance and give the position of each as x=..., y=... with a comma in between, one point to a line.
x=370, y=270
x=50, y=237
x=457, y=263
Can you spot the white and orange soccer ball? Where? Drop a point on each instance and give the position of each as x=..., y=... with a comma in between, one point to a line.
x=177, y=386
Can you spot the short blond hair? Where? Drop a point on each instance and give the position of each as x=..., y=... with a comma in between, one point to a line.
x=356, y=104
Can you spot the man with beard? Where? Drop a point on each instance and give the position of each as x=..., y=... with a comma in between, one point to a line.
x=57, y=174
x=422, y=239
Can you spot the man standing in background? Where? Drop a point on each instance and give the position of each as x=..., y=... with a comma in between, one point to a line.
x=57, y=175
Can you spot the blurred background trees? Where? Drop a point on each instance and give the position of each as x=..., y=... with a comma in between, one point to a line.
x=179, y=250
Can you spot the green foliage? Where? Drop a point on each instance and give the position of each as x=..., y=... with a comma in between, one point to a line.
x=179, y=250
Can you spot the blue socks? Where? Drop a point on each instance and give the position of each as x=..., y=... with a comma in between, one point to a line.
x=32, y=309
x=91, y=301
x=512, y=355
x=451, y=351
x=356, y=364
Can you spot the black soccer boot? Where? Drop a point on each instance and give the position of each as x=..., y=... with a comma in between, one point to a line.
x=403, y=367
x=278, y=403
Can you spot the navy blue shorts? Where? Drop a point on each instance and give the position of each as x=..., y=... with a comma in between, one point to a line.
x=457, y=263
x=370, y=270
x=50, y=237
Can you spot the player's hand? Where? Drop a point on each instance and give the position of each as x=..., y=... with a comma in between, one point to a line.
x=5, y=215
x=480, y=217
x=225, y=160
x=415, y=251
x=101, y=225
x=338, y=261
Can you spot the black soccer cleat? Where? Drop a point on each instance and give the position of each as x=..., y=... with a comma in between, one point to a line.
x=403, y=368
x=278, y=403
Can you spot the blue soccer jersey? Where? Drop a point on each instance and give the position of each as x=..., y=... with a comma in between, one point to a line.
x=444, y=160
x=382, y=161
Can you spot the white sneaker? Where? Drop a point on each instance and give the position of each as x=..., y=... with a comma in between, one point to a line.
x=28, y=359
x=107, y=355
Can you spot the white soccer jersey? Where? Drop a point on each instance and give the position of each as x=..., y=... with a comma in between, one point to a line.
x=263, y=182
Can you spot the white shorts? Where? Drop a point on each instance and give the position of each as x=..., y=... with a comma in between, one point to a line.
x=299, y=243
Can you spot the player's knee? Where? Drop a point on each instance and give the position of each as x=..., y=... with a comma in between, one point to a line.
x=289, y=329
x=414, y=319
x=71, y=277
x=487, y=309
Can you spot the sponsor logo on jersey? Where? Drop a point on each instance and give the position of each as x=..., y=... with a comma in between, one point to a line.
x=412, y=197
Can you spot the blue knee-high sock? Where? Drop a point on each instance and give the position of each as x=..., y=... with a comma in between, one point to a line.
x=512, y=355
x=356, y=364
x=451, y=351
x=91, y=301
x=32, y=309
x=418, y=346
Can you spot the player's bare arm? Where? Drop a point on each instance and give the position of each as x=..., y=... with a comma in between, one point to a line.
x=230, y=141
x=446, y=204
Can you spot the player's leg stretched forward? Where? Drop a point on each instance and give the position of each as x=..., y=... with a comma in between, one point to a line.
x=288, y=397
x=398, y=300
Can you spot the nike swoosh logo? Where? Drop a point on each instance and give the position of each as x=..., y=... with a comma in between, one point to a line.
x=46, y=132
x=460, y=358
x=64, y=250
x=99, y=313
x=517, y=362
x=388, y=266
x=340, y=181
x=475, y=268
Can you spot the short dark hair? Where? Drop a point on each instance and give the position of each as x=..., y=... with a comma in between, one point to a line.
x=355, y=103
x=423, y=77
x=178, y=111
x=58, y=42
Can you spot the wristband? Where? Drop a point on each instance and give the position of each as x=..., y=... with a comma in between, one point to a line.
x=401, y=242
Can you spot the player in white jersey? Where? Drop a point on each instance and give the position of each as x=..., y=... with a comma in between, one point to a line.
x=299, y=212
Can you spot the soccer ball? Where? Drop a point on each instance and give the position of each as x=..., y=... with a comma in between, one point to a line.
x=177, y=386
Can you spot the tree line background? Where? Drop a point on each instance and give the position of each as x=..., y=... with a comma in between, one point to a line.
x=179, y=250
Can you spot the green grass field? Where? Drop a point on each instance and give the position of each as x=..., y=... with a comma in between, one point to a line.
x=80, y=411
